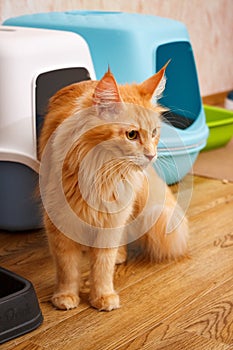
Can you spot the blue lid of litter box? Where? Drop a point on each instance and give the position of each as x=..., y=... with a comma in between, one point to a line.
x=129, y=37
x=135, y=46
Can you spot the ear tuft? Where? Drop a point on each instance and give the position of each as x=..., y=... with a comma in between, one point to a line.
x=154, y=86
x=106, y=91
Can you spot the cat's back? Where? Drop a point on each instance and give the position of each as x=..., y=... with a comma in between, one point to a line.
x=67, y=96
x=62, y=105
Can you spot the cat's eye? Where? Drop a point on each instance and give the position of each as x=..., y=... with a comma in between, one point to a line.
x=154, y=132
x=132, y=135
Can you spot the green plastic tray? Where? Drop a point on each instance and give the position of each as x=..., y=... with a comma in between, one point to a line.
x=220, y=123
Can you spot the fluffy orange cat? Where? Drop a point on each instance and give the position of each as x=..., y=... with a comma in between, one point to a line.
x=99, y=187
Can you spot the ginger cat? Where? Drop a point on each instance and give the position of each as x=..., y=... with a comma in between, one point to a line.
x=99, y=187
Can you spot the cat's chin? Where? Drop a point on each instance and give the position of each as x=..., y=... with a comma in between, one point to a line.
x=139, y=164
x=144, y=165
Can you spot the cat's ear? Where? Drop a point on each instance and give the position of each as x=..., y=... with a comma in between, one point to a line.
x=154, y=86
x=106, y=94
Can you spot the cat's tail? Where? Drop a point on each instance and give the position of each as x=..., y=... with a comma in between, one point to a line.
x=167, y=238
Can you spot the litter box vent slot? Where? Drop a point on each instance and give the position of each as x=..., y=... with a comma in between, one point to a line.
x=47, y=84
x=182, y=95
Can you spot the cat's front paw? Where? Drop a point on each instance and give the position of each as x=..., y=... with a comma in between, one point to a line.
x=106, y=302
x=65, y=301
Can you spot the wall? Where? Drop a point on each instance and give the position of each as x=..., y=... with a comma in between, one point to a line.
x=209, y=22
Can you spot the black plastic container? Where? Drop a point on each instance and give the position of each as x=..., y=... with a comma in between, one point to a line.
x=19, y=308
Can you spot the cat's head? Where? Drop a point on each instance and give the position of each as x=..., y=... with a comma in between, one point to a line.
x=133, y=116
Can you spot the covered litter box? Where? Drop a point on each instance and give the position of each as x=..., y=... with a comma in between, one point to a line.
x=136, y=46
x=34, y=64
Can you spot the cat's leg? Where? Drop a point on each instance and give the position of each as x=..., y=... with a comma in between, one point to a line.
x=167, y=238
x=103, y=295
x=121, y=254
x=66, y=254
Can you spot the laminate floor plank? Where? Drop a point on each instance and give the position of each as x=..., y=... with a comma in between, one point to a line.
x=172, y=305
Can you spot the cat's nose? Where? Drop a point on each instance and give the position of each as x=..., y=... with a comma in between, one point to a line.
x=150, y=156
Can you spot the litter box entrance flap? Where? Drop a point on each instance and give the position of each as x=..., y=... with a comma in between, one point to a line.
x=182, y=95
x=48, y=83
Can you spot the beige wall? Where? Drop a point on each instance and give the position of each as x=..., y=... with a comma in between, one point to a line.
x=209, y=22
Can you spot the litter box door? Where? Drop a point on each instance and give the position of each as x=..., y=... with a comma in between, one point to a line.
x=182, y=95
x=48, y=83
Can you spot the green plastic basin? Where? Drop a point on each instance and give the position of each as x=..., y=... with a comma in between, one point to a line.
x=220, y=123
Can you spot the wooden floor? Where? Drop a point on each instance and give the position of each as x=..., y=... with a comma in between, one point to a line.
x=184, y=305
